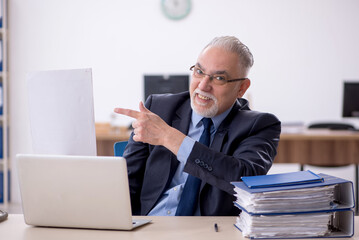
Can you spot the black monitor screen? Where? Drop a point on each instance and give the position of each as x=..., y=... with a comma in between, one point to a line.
x=165, y=84
x=351, y=99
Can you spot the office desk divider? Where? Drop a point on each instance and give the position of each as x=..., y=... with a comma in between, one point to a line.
x=321, y=209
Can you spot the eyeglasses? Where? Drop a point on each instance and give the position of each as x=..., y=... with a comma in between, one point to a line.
x=218, y=79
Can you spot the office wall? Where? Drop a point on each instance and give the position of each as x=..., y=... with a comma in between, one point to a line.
x=303, y=50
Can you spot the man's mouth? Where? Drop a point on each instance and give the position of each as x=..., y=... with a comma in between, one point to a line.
x=202, y=97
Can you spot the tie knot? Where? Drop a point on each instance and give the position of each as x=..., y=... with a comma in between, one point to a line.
x=207, y=123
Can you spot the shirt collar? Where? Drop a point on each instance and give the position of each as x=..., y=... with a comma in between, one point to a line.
x=217, y=120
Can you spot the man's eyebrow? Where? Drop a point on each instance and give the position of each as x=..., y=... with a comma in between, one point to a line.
x=199, y=65
x=216, y=72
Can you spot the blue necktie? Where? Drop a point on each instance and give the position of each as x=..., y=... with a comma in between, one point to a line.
x=189, y=199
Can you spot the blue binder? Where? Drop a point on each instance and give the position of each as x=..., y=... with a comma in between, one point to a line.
x=343, y=221
x=2, y=185
x=1, y=98
x=344, y=192
x=342, y=210
x=1, y=142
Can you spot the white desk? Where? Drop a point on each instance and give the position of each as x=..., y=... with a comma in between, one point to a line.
x=181, y=228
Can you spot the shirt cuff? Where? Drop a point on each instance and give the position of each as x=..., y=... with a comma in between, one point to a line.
x=185, y=149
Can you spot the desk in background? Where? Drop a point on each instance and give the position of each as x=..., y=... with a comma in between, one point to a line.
x=319, y=148
x=316, y=147
x=106, y=136
x=161, y=228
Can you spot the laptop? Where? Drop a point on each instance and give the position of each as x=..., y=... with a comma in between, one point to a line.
x=75, y=192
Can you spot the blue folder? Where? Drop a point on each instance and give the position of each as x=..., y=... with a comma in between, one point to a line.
x=344, y=195
x=282, y=179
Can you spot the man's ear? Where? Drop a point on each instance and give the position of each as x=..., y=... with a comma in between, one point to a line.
x=244, y=86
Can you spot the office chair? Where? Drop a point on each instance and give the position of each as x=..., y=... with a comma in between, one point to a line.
x=119, y=148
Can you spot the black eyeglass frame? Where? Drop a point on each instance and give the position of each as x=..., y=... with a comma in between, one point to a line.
x=224, y=81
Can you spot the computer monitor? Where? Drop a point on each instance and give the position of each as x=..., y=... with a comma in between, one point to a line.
x=154, y=84
x=351, y=99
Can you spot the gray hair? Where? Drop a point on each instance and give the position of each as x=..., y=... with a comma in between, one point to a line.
x=232, y=44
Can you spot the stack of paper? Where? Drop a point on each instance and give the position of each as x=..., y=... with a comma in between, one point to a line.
x=303, y=199
x=284, y=226
x=288, y=206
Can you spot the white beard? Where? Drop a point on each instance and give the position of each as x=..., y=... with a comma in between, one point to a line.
x=204, y=112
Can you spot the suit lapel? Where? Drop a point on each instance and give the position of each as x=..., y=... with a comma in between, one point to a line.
x=180, y=122
x=183, y=117
x=222, y=130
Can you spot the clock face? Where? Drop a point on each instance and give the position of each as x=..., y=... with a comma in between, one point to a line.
x=176, y=9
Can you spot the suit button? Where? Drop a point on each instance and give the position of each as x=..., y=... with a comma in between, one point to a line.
x=201, y=163
x=206, y=165
x=197, y=161
x=210, y=168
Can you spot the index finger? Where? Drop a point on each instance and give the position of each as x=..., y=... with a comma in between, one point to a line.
x=127, y=112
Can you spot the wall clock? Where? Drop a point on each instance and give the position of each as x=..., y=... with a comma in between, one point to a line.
x=176, y=9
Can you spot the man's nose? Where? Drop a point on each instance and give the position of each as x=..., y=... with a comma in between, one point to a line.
x=205, y=83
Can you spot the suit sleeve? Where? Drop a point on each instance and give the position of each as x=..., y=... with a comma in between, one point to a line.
x=246, y=154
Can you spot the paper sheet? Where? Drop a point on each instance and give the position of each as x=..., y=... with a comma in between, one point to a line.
x=61, y=112
x=303, y=199
x=285, y=226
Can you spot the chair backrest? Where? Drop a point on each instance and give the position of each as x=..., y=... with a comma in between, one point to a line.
x=119, y=148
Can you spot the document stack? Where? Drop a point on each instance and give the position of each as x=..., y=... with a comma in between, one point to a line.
x=295, y=205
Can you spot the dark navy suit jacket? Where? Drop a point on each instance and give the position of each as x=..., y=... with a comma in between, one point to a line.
x=244, y=144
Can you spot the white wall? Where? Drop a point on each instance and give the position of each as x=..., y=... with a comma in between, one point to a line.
x=303, y=50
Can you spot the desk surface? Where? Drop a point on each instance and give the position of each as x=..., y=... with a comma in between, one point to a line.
x=161, y=228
